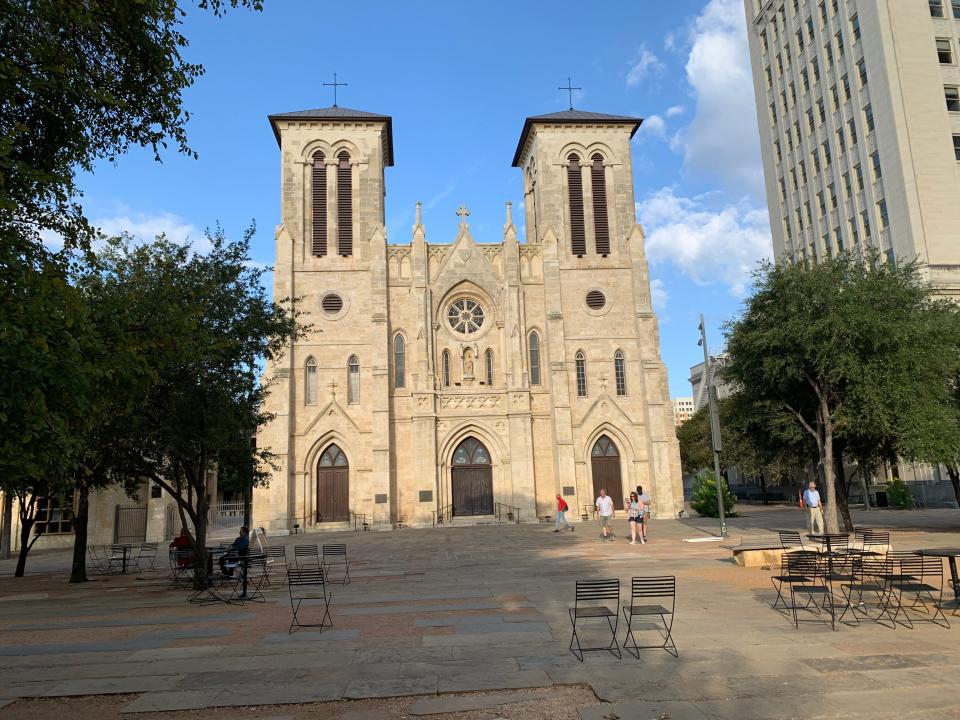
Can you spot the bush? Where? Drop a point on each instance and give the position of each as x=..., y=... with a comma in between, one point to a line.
x=704, y=499
x=899, y=494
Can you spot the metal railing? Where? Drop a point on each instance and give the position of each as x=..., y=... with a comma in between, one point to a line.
x=225, y=517
x=130, y=524
x=586, y=512
x=359, y=521
x=443, y=515
x=507, y=513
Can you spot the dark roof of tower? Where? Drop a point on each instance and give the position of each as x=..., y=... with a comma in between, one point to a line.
x=338, y=113
x=573, y=116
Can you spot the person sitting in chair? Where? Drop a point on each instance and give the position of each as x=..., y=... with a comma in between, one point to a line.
x=238, y=548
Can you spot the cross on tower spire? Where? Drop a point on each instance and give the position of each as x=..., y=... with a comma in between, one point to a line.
x=569, y=88
x=463, y=212
x=335, y=85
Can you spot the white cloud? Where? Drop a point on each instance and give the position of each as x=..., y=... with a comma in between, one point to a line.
x=146, y=226
x=643, y=64
x=722, y=138
x=654, y=125
x=658, y=294
x=675, y=110
x=705, y=243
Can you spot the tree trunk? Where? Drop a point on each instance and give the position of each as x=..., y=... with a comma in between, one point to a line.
x=825, y=426
x=200, y=527
x=843, y=492
x=954, y=472
x=78, y=572
x=6, y=538
x=26, y=525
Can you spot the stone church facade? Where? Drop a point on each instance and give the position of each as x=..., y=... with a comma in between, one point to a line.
x=470, y=379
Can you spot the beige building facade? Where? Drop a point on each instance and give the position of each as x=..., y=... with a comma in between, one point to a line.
x=470, y=380
x=859, y=116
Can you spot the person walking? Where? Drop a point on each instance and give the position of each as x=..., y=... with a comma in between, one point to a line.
x=644, y=512
x=634, y=517
x=562, y=508
x=811, y=498
x=604, y=509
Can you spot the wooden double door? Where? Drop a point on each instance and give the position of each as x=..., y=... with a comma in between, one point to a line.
x=605, y=462
x=333, y=486
x=472, y=479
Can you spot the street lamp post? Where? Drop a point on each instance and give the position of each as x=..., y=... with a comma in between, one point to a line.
x=707, y=384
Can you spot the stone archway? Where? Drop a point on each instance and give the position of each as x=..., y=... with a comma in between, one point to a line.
x=471, y=478
x=605, y=463
x=333, y=486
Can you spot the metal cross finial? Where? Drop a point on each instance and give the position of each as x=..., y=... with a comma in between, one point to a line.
x=509, y=213
x=417, y=221
x=335, y=85
x=570, y=88
x=463, y=212
x=333, y=389
x=602, y=379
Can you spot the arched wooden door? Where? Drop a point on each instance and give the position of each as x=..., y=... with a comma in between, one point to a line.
x=605, y=460
x=333, y=486
x=472, y=479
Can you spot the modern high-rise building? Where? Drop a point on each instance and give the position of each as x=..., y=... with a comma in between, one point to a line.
x=858, y=103
x=682, y=410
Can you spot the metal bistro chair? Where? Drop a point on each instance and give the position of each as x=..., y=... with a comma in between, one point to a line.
x=806, y=576
x=146, y=557
x=336, y=554
x=789, y=574
x=871, y=541
x=663, y=587
x=790, y=540
x=306, y=556
x=276, y=558
x=308, y=584
x=590, y=591
x=919, y=580
x=870, y=587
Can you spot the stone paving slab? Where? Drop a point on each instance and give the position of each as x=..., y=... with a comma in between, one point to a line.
x=436, y=706
x=641, y=710
x=361, y=689
x=484, y=680
x=170, y=701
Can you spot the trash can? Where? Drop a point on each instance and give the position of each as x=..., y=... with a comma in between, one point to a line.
x=882, y=499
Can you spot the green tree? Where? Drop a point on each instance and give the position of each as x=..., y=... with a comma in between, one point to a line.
x=841, y=345
x=704, y=499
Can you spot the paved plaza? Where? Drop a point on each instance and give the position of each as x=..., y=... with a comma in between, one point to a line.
x=449, y=622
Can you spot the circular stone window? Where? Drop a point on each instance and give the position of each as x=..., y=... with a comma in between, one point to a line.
x=332, y=304
x=596, y=300
x=465, y=316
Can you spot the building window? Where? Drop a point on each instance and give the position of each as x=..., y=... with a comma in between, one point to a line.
x=854, y=235
x=54, y=516
x=601, y=224
x=783, y=189
x=891, y=258
x=810, y=29
x=399, y=362
x=955, y=6
x=310, y=382
x=866, y=223
x=578, y=238
x=778, y=150
x=936, y=8
x=800, y=40
x=877, y=173
x=581, y=364
x=821, y=203
x=847, y=186
x=446, y=368
x=852, y=126
x=855, y=27
x=763, y=41
x=465, y=316
x=846, y=87
x=769, y=76
x=810, y=121
x=534, y=348
x=839, y=37
x=826, y=152
x=884, y=217
x=805, y=77
x=620, y=372
x=944, y=51
x=488, y=363
x=862, y=70
x=841, y=141
x=821, y=111
x=815, y=154
x=838, y=238
x=319, y=199
x=827, y=246
x=868, y=117
x=344, y=205
x=828, y=53
x=833, y=197
x=353, y=380
x=823, y=13
x=956, y=146
x=816, y=69
x=952, y=96
x=835, y=96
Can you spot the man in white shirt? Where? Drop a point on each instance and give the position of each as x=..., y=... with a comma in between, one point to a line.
x=811, y=499
x=604, y=508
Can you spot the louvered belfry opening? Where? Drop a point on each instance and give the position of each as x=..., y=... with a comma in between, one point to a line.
x=344, y=206
x=319, y=189
x=578, y=237
x=600, y=222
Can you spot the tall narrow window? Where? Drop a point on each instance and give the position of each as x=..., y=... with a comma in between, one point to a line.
x=319, y=189
x=534, y=359
x=310, y=383
x=581, y=363
x=398, y=362
x=488, y=362
x=578, y=238
x=344, y=205
x=600, y=222
x=446, y=368
x=620, y=371
x=353, y=380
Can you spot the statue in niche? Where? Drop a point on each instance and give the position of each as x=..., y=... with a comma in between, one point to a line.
x=467, y=365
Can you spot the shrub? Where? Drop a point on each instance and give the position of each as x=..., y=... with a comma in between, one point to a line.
x=899, y=494
x=704, y=499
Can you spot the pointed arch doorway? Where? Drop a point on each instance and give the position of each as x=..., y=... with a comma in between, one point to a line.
x=472, y=479
x=333, y=486
x=605, y=463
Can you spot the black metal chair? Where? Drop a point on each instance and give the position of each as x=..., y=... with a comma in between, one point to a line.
x=336, y=554
x=806, y=576
x=306, y=556
x=276, y=558
x=917, y=584
x=663, y=587
x=607, y=592
x=308, y=584
x=870, y=587
x=872, y=541
x=790, y=540
x=146, y=557
x=788, y=575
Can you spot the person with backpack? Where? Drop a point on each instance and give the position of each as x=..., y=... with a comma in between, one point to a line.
x=635, y=517
x=562, y=508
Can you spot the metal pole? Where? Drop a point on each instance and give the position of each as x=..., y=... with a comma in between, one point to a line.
x=714, y=423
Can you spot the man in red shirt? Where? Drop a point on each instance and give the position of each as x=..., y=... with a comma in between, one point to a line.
x=562, y=508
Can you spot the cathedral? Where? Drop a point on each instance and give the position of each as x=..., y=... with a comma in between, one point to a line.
x=471, y=380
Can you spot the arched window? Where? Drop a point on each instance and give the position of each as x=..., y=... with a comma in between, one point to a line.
x=398, y=362
x=578, y=238
x=353, y=380
x=534, y=343
x=488, y=363
x=581, y=363
x=446, y=368
x=620, y=371
x=344, y=205
x=310, y=383
x=600, y=222
x=319, y=190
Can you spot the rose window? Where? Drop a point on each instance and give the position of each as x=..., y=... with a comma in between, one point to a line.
x=465, y=316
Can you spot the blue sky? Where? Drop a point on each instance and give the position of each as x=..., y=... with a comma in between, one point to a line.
x=459, y=79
